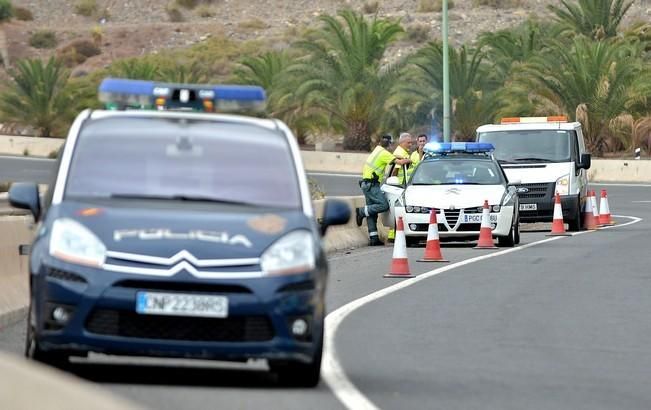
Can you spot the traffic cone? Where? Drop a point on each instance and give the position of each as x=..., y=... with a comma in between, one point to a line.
x=604, y=210
x=485, y=232
x=595, y=211
x=589, y=222
x=558, y=227
x=400, y=262
x=433, y=247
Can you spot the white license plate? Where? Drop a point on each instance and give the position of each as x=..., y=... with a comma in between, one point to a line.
x=476, y=218
x=528, y=207
x=178, y=304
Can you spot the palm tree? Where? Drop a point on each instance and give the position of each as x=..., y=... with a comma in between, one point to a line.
x=192, y=73
x=342, y=76
x=596, y=81
x=135, y=69
x=37, y=95
x=472, y=90
x=597, y=19
x=508, y=49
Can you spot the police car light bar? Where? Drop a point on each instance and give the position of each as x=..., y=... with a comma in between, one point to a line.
x=118, y=93
x=450, y=147
x=515, y=120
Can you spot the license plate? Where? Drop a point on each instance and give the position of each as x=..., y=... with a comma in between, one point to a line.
x=476, y=218
x=528, y=207
x=178, y=304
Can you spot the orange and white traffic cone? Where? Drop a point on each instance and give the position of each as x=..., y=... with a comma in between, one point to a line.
x=604, y=210
x=595, y=210
x=485, y=232
x=558, y=226
x=400, y=262
x=589, y=222
x=433, y=247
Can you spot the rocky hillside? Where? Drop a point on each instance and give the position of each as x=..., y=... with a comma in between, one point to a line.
x=134, y=27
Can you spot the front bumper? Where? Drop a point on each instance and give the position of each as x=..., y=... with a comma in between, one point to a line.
x=452, y=224
x=103, y=317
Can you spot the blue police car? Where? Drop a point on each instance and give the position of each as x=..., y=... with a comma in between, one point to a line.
x=170, y=230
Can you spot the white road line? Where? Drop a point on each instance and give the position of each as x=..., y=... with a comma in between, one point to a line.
x=332, y=371
x=328, y=174
x=616, y=184
x=641, y=202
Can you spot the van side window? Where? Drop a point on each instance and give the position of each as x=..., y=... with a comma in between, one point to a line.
x=575, y=147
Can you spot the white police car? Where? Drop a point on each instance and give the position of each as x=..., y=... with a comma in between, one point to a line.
x=179, y=234
x=456, y=179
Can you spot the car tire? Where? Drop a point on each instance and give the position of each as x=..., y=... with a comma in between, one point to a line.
x=574, y=222
x=34, y=352
x=299, y=374
x=516, y=232
x=508, y=241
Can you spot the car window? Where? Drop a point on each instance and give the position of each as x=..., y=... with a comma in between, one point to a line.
x=529, y=145
x=457, y=171
x=162, y=157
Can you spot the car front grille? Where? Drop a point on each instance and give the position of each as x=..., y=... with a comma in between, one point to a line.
x=131, y=324
x=452, y=216
x=537, y=191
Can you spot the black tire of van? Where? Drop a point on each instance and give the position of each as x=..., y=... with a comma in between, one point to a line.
x=574, y=223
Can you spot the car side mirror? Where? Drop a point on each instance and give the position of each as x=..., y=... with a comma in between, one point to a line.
x=24, y=195
x=586, y=161
x=335, y=212
x=393, y=181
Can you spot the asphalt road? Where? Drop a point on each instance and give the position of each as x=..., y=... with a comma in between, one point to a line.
x=556, y=325
x=26, y=169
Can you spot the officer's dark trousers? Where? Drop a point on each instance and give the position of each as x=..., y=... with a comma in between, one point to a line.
x=376, y=203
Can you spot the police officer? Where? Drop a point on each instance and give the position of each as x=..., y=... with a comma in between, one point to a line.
x=402, y=151
x=372, y=173
x=418, y=154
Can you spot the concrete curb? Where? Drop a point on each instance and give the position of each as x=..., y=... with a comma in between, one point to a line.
x=26, y=385
x=12, y=316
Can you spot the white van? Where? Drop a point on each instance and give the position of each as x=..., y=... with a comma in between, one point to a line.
x=547, y=155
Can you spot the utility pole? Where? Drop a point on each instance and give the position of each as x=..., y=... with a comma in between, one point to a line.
x=446, y=75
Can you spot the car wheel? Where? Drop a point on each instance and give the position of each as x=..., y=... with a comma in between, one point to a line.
x=299, y=374
x=516, y=232
x=507, y=241
x=574, y=222
x=33, y=350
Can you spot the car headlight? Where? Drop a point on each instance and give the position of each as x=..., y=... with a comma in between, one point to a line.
x=495, y=208
x=409, y=208
x=293, y=253
x=72, y=242
x=563, y=185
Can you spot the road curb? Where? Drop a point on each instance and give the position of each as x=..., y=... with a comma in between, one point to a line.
x=12, y=316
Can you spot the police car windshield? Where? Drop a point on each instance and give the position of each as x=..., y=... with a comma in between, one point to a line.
x=521, y=146
x=161, y=158
x=451, y=171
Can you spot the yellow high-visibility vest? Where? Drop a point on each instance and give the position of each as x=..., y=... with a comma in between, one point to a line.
x=376, y=163
x=401, y=153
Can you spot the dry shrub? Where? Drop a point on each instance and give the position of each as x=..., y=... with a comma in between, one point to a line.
x=253, y=24
x=418, y=32
x=498, y=4
x=43, y=39
x=371, y=7
x=21, y=13
x=86, y=7
x=174, y=13
x=77, y=52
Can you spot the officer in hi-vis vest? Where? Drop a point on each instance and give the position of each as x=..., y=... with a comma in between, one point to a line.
x=372, y=174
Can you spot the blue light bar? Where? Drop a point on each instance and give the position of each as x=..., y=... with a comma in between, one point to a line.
x=119, y=93
x=460, y=147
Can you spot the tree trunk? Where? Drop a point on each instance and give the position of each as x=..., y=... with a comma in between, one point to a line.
x=357, y=137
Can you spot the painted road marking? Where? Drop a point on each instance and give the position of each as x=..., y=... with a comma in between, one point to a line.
x=332, y=370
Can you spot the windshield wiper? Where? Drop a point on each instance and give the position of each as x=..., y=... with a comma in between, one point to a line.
x=532, y=159
x=180, y=198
